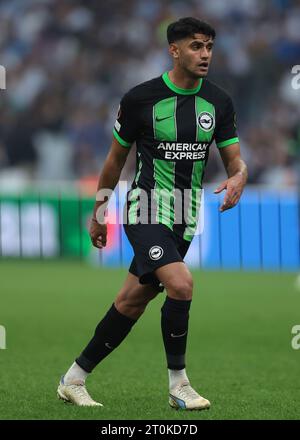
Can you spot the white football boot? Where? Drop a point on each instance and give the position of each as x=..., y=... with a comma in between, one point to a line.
x=183, y=396
x=75, y=393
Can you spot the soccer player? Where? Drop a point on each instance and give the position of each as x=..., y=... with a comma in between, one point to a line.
x=173, y=119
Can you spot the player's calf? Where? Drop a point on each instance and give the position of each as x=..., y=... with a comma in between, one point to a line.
x=133, y=302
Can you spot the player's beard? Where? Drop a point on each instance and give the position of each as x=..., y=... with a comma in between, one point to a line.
x=190, y=67
x=191, y=73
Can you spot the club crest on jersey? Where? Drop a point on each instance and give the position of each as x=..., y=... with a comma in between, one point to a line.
x=206, y=121
x=156, y=252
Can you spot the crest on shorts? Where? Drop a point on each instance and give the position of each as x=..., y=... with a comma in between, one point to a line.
x=156, y=252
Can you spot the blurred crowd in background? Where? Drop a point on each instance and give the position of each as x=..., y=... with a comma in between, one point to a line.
x=68, y=63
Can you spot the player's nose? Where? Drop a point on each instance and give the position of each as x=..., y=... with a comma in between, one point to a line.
x=204, y=54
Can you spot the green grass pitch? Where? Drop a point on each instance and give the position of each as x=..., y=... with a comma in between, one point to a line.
x=239, y=349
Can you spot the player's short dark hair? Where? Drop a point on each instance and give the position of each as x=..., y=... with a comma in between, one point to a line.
x=187, y=27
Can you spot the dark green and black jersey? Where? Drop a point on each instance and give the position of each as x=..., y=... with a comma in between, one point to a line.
x=173, y=129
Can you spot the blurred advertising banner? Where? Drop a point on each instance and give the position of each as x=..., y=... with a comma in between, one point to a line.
x=262, y=232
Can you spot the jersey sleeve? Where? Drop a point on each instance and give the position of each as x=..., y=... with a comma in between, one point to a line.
x=126, y=125
x=226, y=128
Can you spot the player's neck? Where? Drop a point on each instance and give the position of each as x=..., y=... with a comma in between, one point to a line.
x=181, y=80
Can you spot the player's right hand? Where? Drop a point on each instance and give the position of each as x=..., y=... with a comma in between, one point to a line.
x=98, y=233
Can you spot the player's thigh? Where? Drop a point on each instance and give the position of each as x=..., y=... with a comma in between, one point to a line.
x=177, y=279
x=136, y=293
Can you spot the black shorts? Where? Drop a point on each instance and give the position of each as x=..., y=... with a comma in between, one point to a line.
x=154, y=245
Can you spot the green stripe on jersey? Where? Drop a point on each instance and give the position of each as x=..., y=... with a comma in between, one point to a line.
x=195, y=200
x=164, y=176
x=134, y=196
x=228, y=142
x=201, y=107
x=164, y=119
x=120, y=140
x=139, y=169
x=134, y=199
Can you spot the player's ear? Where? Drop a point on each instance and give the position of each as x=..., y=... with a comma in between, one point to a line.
x=173, y=50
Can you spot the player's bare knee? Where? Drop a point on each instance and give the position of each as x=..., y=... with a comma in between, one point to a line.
x=181, y=288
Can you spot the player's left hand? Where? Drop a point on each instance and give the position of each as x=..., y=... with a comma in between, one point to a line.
x=234, y=187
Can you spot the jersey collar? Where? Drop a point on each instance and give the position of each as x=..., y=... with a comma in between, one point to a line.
x=179, y=90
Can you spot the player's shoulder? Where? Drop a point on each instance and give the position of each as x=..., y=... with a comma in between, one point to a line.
x=211, y=88
x=145, y=89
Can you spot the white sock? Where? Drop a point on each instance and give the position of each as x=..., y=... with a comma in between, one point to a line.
x=176, y=377
x=75, y=373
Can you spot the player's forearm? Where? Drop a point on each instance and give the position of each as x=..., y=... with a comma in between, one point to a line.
x=108, y=179
x=237, y=166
